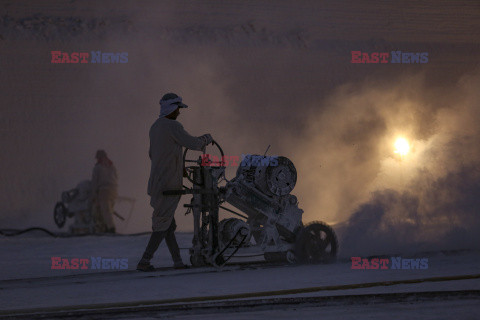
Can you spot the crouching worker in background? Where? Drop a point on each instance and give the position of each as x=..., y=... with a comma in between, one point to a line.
x=104, y=192
x=167, y=137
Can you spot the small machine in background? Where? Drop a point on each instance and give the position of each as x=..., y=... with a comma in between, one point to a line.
x=76, y=204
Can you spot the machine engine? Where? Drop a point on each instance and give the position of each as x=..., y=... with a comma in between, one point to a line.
x=261, y=189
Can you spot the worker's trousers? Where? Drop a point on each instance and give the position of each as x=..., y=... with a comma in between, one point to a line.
x=103, y=209
x=155, y=240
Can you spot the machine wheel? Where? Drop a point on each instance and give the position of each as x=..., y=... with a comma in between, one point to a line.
x=316, y=243
x=290, y=257
x=198, y=261
x=60, y=214
x=287, y=256
x=273, y=256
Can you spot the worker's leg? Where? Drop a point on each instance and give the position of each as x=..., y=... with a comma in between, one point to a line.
x=152, y=246
x=172, y=244
x=106, y=201
x=112, y=196
x=98, y=217
x=162, y=224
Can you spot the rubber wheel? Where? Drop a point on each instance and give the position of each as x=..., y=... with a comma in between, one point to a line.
x=316, y=243
x=60, y=214
x=198, y=261
x=285, y=256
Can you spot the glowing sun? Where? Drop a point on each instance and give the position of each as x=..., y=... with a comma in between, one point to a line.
x=402, y=147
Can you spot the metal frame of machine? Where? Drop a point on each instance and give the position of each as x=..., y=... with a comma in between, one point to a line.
x=271, y=222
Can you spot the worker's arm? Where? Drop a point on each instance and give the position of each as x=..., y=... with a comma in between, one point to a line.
x=184, y=139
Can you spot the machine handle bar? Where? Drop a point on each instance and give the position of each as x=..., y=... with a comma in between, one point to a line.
x=189, y=191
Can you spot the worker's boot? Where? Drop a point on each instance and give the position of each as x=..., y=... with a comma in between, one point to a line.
x=179, y=265
x=144, y=263
x=172, y=245
x=145, y=267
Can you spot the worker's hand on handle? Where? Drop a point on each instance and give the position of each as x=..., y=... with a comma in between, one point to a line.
x=207, y=138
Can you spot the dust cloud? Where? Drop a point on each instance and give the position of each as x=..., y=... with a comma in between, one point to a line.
x=384, y=202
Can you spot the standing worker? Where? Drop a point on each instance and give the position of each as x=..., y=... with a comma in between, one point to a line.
x=104, y=192
x=167, y=137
